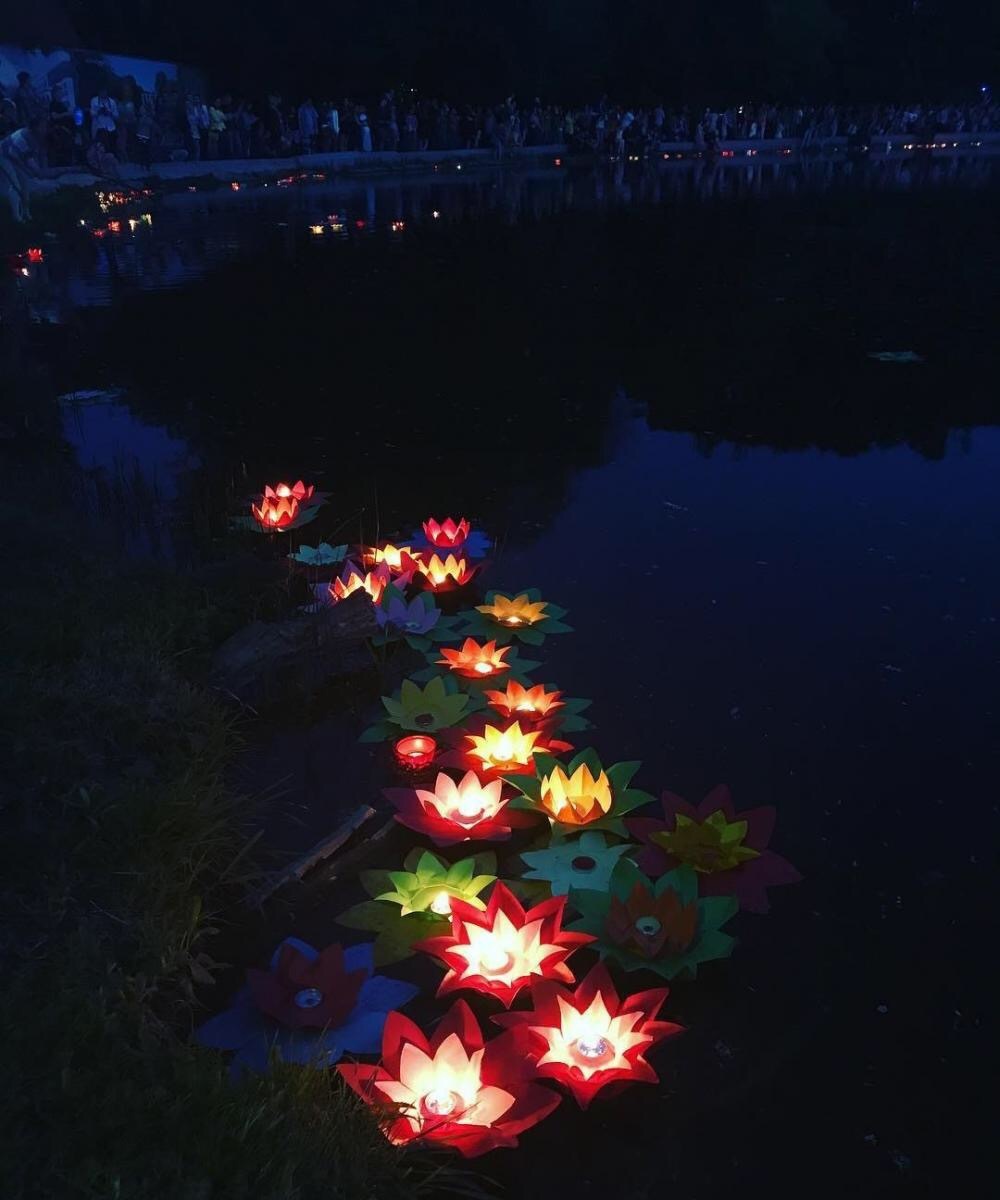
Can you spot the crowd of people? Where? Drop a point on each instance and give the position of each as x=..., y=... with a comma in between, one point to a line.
x=129, y=124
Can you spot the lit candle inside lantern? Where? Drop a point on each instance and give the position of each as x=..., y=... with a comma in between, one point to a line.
x=415, y=752
x=483, y=668
x=441, y=1102
x=441, y=904
x=470, y=808
x=495, y=960
x=591, y=1047
x=512, y=621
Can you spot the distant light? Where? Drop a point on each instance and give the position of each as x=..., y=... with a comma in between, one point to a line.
x=235, y=185
x=557, y=161
x=435, y=214
x=317, y=230
x=359, y=223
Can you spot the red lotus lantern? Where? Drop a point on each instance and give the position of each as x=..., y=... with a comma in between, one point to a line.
x=475, y=661
x=279, y=505
x=35, y=254
x=499, y=950
x=451, y=1089
x=467, y=811
x=353, y=579
x=587, y=1039
x=415, y=753
x=524, y=703
x=442, y=575
x=447, y=534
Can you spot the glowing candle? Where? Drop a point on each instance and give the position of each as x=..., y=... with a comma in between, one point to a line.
x=441, y=904
x=495, y=960
x=416, y=752
x=483, y=668
x=440, y=1102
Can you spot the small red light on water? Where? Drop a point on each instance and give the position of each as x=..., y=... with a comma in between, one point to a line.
x=558, y=162
x=359, y=224
x=415, y=753
x=35, y=254
x=115, y=226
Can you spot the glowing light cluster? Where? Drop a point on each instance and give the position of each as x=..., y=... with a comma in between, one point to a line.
x=278, y=506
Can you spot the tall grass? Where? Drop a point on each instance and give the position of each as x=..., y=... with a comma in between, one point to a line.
x=123, y=852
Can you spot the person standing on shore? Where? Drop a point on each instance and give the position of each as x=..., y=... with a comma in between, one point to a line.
x=103, y=118
x=21, y=161
x=308, y=125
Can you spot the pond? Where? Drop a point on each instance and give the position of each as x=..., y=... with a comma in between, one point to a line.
x=779, y=554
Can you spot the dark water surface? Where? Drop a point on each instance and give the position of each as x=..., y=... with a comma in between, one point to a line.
x=781, y=559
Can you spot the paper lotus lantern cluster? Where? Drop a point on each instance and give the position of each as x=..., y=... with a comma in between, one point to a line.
x=644, y=895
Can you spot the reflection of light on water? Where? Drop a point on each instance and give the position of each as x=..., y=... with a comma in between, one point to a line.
x=133, y=467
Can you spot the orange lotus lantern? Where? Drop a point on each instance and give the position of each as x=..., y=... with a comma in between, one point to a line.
x=504, y=749
x=514, y=610
x=447, y=534
x=397, y=558
x=524, y=703
x=575, y=799
x=279, y=505
x=475, y=661
x=452, y=572
x=499, y=950
x=353, y=579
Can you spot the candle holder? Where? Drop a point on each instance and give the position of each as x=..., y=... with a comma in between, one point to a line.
x=415, y=753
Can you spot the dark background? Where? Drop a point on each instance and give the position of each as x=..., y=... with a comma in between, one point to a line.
x=562, y=50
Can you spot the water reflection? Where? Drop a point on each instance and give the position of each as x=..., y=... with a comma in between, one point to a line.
x=196, y=231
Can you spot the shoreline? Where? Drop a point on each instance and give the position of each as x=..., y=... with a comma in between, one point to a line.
x=731, y=152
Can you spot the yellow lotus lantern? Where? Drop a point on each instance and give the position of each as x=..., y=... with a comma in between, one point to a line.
x=503, y=749
x=575, y=799
x=450, y=572
x=396, y=558
x=514, y=610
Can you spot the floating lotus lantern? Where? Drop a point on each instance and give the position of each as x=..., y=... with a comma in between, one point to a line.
x=469, y=810
x=279, y=506
x=438, y=705
x=355, y=579
x=585, y=862
x=442, y=575
x=584, y=793
x=447, y=534
x=728, y=849
x=433, y=885
x=525, y=616
x=416, y=752
x=503, y=749
x=662, y=927
x=35, y=254
x=399, y=559
x=498, y=951
x=475, y=661
x=525, y=703
x=451, y=1089
x=414, y=903
x=588, y=1039
x=311, y=1006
